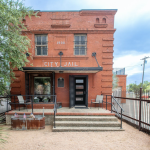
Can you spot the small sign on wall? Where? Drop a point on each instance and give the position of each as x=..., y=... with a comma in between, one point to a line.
x=57, y=64
x=60, y=42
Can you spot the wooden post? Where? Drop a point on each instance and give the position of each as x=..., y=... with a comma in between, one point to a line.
x=140, y=109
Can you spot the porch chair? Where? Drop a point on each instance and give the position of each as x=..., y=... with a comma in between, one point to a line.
x=23, y=102
x=98, y=100
x=20, y=102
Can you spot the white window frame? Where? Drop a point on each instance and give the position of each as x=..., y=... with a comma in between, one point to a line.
x=41, y=44
x=79, y=45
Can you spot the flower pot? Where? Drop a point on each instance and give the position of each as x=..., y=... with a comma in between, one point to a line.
x=36, y=100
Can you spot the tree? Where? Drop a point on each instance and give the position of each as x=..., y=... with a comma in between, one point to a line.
x=13, y=45
x=115, y=81
x=136, y=88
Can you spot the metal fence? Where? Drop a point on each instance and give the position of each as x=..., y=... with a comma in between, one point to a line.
x=136, y=108
x=3, y=109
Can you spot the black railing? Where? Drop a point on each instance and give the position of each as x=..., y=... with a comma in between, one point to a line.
x=136, y=108
x=30, y=99
x=112, y=105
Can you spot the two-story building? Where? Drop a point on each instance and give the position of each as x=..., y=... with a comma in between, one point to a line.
x=72, y=56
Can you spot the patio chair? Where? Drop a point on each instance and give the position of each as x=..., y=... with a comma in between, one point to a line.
x=21, y=102
x=98, y=100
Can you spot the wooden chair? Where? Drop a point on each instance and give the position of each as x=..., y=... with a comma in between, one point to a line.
x=98, y=100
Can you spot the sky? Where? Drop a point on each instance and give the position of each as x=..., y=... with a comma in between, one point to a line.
x=132, y=36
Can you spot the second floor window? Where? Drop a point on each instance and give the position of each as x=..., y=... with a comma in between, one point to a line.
x=80, y=44
x=41, y=44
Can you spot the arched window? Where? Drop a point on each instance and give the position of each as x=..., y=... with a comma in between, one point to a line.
x=97, y=20
x=60, y=82
x=104, y=20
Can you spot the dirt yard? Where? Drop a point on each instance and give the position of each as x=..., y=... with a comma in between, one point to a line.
x=130, y=139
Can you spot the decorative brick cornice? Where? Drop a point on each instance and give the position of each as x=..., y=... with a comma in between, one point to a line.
x=100, y=25
x=108, y=51
x=97, y=12
x=60, y=18
x=58, y=58
x=60, y=25
x=108, y=45
x=107, y=63
x=108, y=39
x=106, y=86
x=106, y=80
x=107, y=69
x=107, y=57
x=39, y=31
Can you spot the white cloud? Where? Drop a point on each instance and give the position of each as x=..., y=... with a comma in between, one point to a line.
x=132, y=62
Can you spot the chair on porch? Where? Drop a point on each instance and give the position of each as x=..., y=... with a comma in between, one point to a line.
x=20, y=102
x=98, y=100
x=23, y=102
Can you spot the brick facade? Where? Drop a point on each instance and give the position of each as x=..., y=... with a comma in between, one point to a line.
x=60, y=28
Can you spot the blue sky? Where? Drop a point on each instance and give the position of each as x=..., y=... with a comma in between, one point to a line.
x=132, y=37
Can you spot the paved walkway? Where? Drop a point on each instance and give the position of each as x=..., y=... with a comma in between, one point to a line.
x=130, y=139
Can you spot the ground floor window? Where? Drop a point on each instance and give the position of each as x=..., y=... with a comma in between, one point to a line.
x=42, y=85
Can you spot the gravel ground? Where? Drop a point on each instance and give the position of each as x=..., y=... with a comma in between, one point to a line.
x=130, y=139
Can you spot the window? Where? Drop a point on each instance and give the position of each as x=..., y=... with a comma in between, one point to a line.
x=80, y=44
x=97, y=20
x=60, y=82
x=41, y=44
x=104, y=20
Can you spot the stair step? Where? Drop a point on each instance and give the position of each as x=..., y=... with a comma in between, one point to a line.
x=87, y=124
x=85, y=129
x=86, y=118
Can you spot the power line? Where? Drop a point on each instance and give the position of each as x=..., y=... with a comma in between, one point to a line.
x=143, y=67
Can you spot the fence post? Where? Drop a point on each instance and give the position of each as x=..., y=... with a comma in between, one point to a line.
x=32, y=104
x=121, y=119
x=106, y=102
x=111, y=103
x=140, y=109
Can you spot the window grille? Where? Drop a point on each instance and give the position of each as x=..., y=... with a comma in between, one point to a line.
x=41, y=44
x=60, y=82
x=80, y=44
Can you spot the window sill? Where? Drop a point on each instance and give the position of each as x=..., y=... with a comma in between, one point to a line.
x=58, y=57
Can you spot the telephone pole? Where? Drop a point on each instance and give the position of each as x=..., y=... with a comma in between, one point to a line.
x=143, y=68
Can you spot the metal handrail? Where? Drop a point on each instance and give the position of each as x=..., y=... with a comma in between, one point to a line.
x=114, y=107
x=117, y=102
x=55, y=111
x=116, y=110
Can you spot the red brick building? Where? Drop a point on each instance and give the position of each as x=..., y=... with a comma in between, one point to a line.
x=72, y=55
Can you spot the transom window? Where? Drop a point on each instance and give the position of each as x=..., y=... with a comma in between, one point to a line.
x=41, y=44
x=80, y=44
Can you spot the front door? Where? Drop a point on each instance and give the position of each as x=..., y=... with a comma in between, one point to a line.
x=78, y=90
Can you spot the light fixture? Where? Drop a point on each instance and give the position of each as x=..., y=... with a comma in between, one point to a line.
x=27, y=54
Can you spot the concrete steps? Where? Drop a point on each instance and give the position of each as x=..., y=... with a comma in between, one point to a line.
x=86, y=123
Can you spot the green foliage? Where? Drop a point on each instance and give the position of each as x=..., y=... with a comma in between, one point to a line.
x=13, y=45
x=115, y=81
x=3, y=136
x=136, y=88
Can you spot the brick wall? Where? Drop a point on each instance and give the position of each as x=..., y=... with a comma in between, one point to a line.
x=62, y=26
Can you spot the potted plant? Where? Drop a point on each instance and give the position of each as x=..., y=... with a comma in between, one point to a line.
x=36, y=100
x=45, y=100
